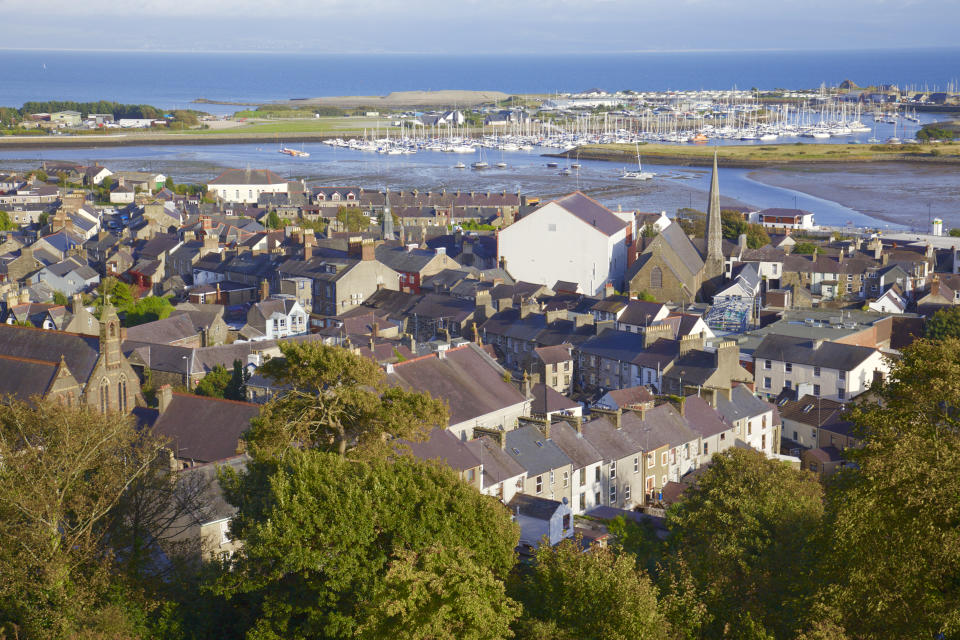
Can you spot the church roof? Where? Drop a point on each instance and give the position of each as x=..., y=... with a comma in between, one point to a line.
x=80, y=352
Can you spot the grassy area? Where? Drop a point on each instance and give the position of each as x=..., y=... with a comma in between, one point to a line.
x=752, y=155
x=303, y=125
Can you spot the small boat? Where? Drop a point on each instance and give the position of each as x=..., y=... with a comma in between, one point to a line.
x=575, y=165
x=459, y=165
x=296, y=153
x=565, y=172
x=501, y=165
x=552, y=165
x=699, y=138
x=479, y=165
x=639, y=174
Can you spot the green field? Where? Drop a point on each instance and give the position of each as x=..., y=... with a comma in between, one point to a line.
x=752, y=155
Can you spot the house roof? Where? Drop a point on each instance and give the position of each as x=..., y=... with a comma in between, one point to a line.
x=580, y=451
x=443, y=445
x=204, y=429
x=534, y=506
x=641, y=313
x=547, y=400
x=631, y=396
x=534, y=451
x=166, y=331
x=610, y=442
x=742, y=404
x=553, y=355
x=248, y=177
x=833, y=355
x=592, y=212
x=816, y=412
x=80, y=352
x=497, y=465
x=465, y=377
x=703, y=418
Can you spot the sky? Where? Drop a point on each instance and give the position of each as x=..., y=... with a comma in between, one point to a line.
x=476, y=26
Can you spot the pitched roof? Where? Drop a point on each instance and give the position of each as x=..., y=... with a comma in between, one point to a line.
x=443, y=445
x=547, y=400
x=534, y=506
x=497, y=465
x=204, y=429
x=833, y=355
x=703, y=418
x=248, y=176
x=574, y=445
x=742, y=404
x=80, y=352
x=23, y=378
x=553, y=355
x=466, y=377
x=534, y=451
x=592, y=212
x=631, y=396
x=167, y=331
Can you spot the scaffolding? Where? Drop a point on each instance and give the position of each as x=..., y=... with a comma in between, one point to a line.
x=730, y=316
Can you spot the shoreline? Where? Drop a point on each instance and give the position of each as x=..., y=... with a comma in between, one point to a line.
x=780, y=155
x=135, y=139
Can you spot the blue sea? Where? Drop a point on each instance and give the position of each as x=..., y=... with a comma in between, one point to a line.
x=173, y=80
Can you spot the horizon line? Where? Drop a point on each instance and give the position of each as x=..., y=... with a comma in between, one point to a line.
x=480, y=55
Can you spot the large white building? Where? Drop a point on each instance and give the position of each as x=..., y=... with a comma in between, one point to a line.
x=246, y=185
x=574, y=238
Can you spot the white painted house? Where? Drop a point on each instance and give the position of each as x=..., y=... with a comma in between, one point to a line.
x=246, y=185
x=574, y=238
x=837, y=371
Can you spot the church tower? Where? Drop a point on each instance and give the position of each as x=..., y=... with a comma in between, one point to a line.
x=713, y=261
x=387, y=224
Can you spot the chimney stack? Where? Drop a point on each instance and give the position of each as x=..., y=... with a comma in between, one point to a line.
x=164, y=397
x=264, y=290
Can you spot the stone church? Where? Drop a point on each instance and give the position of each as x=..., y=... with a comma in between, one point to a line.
x=70, y=367
x=670, y=267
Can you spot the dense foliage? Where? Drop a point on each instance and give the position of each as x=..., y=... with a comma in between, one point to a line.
x=733, y=226
x=220, y=383
x=945, y=323
x=346, y=538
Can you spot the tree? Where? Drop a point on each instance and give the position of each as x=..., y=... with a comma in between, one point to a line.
x=597, y=595
x=237, y=387
x=147, y=309
x=954, y=233
x=273, y=220
x=337, y=400
x=60, y=298
x=746, y=532
x=168, y=183
x=439, y=594
x=6, y=224
x=64, y=472
x=945, y=323
x=215, y=383
x=805, y=248
x=895, y=516
x=323, y=534
x=733, y=226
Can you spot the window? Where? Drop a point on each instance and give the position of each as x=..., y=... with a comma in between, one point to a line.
x=539, y=484
x=767, y=383
x=636, y=464
x=613, y=469
x=841, y=393
x=813, y=466
x=816, y=390
x=763, y=422
x=104, y=396
x=651, y=459
x=749, y=428
x=566, y=521
x=788, y=367
x=566, y=478
x=816, y=371
x=613, y=494
x=763, y=442
x=723, y=436
x=706, y=448
x=471, y=475
x=551, y=478
x=787, y=384
x=663, y=458
x=841, y=375
x=583, y=476
x=626, y=492
x=597, y=478
x=583, y=501
x=767, y=364
x=122, y=395
x=656, y=278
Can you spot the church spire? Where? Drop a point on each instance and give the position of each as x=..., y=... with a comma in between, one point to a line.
x=387, y=225
x=714, y=232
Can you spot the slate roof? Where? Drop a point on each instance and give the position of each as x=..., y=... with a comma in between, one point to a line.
x=554, y=354
x=167, y=331
x=465, y=377
x=631, y=396
x=592, y=212
x=23, y=378
x=80, y=352
x=547, y=400
x=248, y=176
x=204, y=429
x=610, y=442
x=534, y=506
x=614, y=345
x=497, y=465
x=574, y=445
x=399, y=258
x=640, y=313
x=534, y=451
x=446, y=447
x=832, y=355
x=742, y=404
x=661, y=426
x=703, y=418
x=816, y=412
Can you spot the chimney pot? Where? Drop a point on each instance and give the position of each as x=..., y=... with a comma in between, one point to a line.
x=164, y=397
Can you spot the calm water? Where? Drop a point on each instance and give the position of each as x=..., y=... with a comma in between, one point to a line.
x=674, y=187
x=175, y=79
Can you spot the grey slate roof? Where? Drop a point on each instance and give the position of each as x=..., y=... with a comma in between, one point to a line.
x=574, y=445
x=443, y=445
x=204, y=429
x=610, y=442
x=592, y=212
x=534, y=506
x=742, y=404
x=80, y=352
x=534, y=451
x=547, y=400
x=703, y=418
x=23, y=378
x=497, y=465
x=248, y=176
x=832, y=355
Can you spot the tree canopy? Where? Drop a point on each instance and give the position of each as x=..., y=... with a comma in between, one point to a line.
x=733, y=225
x=895, y=516
x=324, y=534
x=945, y=323
x=337, y=400
x=221, y=383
